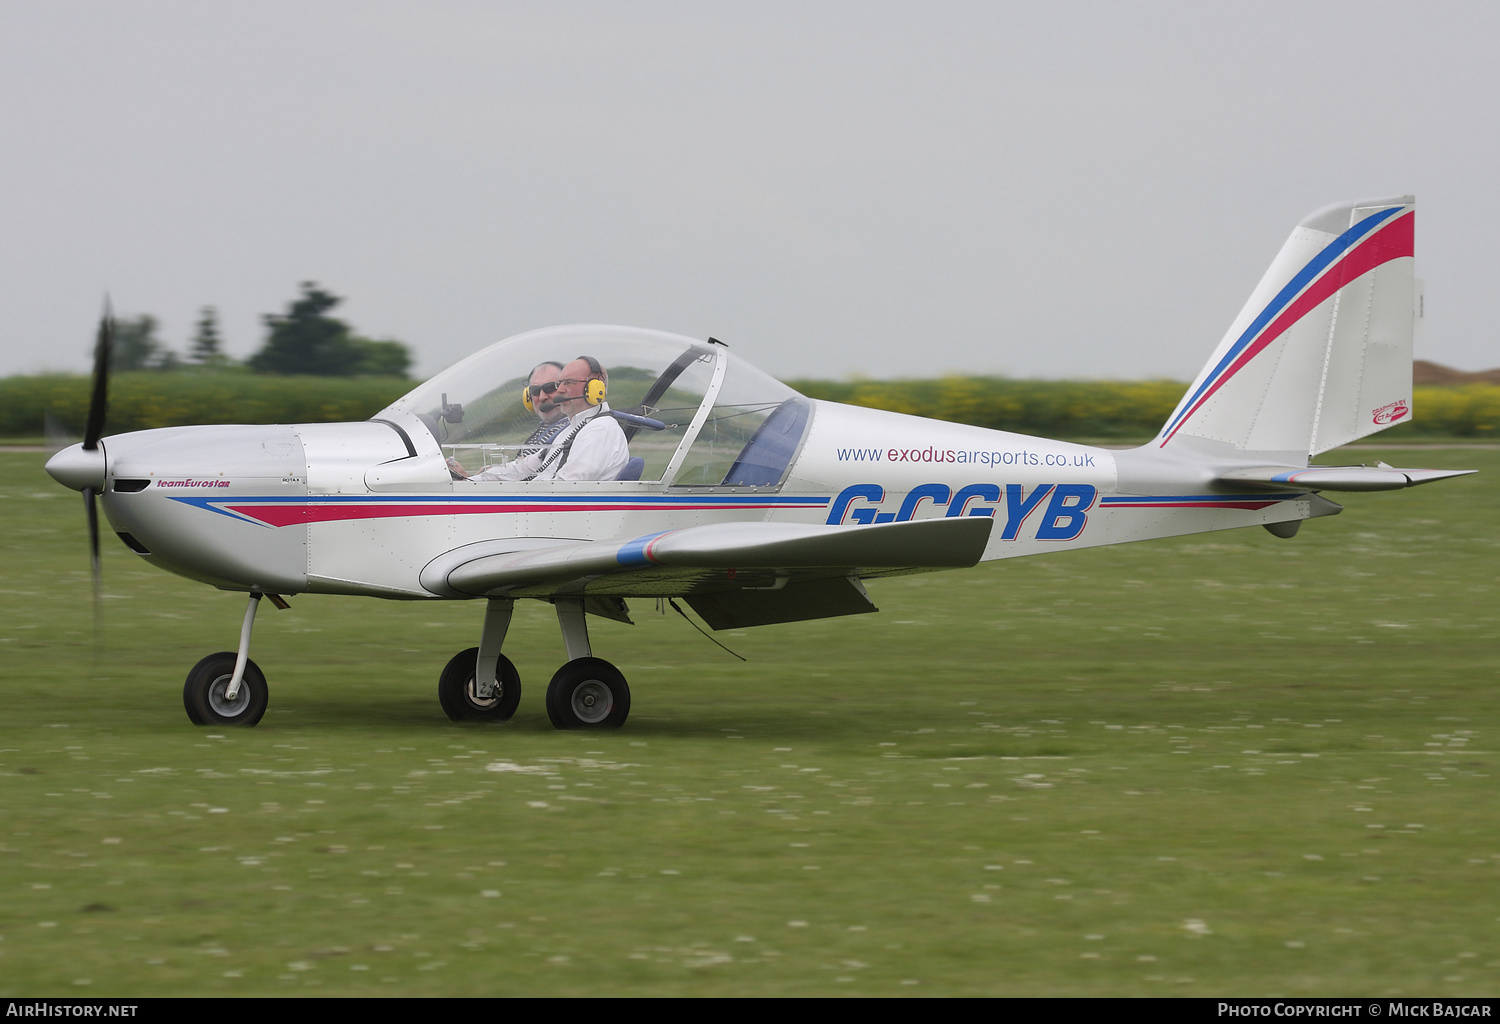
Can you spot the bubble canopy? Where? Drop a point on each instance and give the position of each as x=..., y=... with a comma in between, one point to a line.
x=711, y=419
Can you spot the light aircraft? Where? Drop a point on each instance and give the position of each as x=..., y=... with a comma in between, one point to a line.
x=753, y=503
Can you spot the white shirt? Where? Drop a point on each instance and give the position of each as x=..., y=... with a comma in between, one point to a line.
x=598, y=451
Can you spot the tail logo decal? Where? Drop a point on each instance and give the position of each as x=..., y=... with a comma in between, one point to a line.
x=1343, y=260
x=1393, y=413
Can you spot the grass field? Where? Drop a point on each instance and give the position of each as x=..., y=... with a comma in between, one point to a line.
x=1226, y=764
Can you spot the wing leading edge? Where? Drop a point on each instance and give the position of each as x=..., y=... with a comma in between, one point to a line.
x=765, y=559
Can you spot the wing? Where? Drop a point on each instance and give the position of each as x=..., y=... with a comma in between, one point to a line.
x=734, y=574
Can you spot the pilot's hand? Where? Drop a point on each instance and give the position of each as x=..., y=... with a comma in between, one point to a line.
x=459, y=473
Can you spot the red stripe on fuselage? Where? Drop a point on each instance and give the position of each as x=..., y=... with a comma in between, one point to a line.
x=291, y=515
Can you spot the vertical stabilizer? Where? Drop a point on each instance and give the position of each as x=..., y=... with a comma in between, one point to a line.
x=1321, y=354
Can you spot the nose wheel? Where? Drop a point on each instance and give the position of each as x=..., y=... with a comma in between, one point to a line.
x=588, y=693
x=206, y=695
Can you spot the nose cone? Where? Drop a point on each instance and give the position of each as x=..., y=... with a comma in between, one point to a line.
x=78, y=468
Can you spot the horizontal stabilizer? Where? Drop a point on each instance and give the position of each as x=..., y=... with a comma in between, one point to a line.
x=492, y=567
x=1379, y=477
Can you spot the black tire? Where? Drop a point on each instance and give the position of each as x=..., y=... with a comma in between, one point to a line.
x=203, y=693
x=588, y=693
x=456, y=690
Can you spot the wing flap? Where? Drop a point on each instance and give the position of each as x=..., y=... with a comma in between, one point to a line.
x=796, y=602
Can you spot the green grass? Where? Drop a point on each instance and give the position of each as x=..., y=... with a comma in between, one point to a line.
x=1226, y=764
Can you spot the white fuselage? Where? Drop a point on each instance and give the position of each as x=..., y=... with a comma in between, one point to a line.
x=361, y=508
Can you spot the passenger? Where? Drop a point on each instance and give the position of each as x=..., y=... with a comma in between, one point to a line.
x=540, y=397
x=591, y=447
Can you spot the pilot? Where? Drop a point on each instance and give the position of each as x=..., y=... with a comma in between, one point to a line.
x=540, y=397
x=591, y=446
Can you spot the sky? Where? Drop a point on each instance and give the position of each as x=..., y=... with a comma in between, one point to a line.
x=835, y=189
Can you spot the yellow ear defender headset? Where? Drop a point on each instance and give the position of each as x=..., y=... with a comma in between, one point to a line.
x=526, y=391
x=596, y=389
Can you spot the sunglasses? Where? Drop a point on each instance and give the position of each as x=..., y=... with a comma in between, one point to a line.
x=543, y=389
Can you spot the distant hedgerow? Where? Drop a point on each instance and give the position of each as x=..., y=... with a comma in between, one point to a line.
x=1128, y=410
x=1117, y=409
x=138, y=401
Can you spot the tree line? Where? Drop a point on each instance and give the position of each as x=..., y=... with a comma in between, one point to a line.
x=304, y=339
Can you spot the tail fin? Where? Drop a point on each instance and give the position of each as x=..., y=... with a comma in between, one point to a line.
x=1321, y=354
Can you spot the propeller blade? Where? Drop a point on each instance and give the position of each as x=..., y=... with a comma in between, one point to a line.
x=93, y=515
x=99, y=402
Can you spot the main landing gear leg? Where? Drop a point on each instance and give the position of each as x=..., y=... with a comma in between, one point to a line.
x=575, y=629
x=228, y=688
x=480, y=684
x=497, y=612
x=587, y=692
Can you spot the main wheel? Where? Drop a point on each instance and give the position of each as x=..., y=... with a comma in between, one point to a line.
x=460, y=699
x=203, y=693
x=588, y=693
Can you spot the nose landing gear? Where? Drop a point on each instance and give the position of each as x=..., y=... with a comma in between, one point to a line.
x=228, y=688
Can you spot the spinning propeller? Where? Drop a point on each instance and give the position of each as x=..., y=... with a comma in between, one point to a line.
x=82, y=466
x=98, y=403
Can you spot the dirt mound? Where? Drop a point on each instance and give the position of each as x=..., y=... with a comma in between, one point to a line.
x=1424, y=372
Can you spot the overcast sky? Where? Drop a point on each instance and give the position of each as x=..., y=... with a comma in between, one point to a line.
x=1038, y=189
